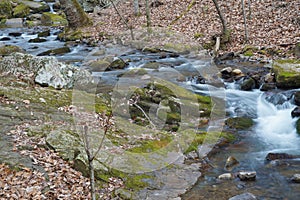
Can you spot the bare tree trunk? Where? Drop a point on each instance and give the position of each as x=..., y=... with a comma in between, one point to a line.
x=223, y=21
x=245, y=22
x=193, y=2
x=148, y=15
x=249, y=7
x=136, y=7
x=123, y=20
x=75, y=15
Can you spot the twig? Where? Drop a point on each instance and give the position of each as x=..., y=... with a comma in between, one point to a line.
x=145, y=114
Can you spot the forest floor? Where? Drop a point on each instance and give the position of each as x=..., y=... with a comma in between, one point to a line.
x=270, y=24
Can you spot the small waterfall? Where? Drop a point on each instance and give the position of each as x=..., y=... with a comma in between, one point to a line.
x=50, y=4
x=275, y=126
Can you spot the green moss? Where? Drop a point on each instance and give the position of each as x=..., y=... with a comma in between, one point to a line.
x=151, y=65
x=51, y=19
x=21, y=10
x=239, y=123
x=248, y=53
x=8, y=49
x=71, y=35
x=152, y=145
x=6, y=8
x=138, y=72
x=198, y=35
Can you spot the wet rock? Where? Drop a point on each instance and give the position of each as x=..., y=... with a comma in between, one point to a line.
x=296, y=178
x=5, y=39
x=269, y=78
x=36, y=7
x=8, y=49
x=268, y=86
x=226, y=176
x=277, y=99
x=37, y=40
x=245, y=196
x=15, y=34
x=237, y=72
x=98, y=65
x=248, y=84
x=239, y=123
x=14, y=22
x=226, y=72
x=280, y=156
x=297, y=98
x=58, y=51
x=45, y=33
x=298, y=126
x=231, y=163
x=226, y=56
x=151, y=65
x=247, y=176
x=117, y=64
x=287, y=73
x=296, y=112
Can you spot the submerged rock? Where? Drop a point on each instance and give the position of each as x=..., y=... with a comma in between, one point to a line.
x=245, y=196
x=57, y=51
x=280, y=156
x=247, y=176
x=231, y=163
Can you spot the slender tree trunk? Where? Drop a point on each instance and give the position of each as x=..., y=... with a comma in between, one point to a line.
x=245, y=22
x=123, y=20
x=136, y=7
x=75, y=15
x=223, y=21
x=249, y=7
x=148, y=14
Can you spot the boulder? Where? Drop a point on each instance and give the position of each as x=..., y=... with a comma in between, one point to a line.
x=117, y=64
x=280, y=156
x=298, y=126
x=247, y=176
x=15, y=34
x=297, y=98
x=245, y=196
x=231, y=163
x=297, y=50
x=248, y=84
x=34, y=6
x=239, y=123
x=21, y=10
x=269, y=78
x=6, y=8
x=237, y=72
x=51, y=19
x=46, y=71
x=296, y=112
x=8, y=49
x=45, y=33
x=226, y=72
x=296, y=178
x=287, y=73
x=14, y=22
x=58, y=51
x=98, y=65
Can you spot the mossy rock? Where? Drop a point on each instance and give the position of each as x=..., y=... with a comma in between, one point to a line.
x=45, y=33
x=98, y=65
x=58, y=51
x=51, y=19
x=181, y=48
x=35, y=7
x=6, y=9
x=248, y=84
x=70, y=35
x=117, y=64
x=151, y=65
x=287, y=73
x=298, y=126
x=239, y=123
x=8, y=49
x=21, y=11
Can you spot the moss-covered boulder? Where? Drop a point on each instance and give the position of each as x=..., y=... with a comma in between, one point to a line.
x=98, y=65
x=35, y=7
x=70, y=35
x=8, y=49
x=44, y=33
x=21, y=10
x=58, y=51
x=151, y=65
x=51, y=19
x=117, y=64
x=248, y=84
x=6, y=8
x=287, y=73
x=37, y=40
x=239, y=123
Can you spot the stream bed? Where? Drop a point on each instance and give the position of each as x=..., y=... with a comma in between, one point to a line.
x=274, y=129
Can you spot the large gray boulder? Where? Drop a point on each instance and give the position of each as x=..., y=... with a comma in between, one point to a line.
x=45, y=71
x=245, y=196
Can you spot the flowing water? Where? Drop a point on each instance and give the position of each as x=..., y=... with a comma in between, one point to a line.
x=274, y=129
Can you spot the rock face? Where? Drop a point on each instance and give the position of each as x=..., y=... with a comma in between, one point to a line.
x=46, y=71
x=296, y=112
x=245, y=196
x=287, y=73
x=297, y=98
